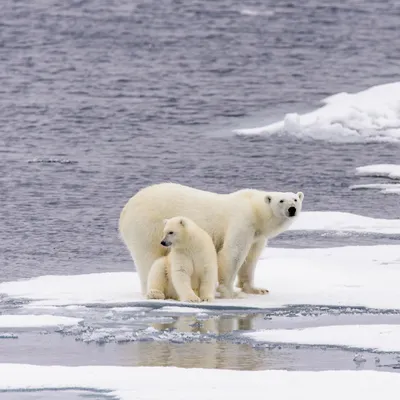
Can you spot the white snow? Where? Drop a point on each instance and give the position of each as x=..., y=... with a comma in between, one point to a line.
x=35, y=321
x=391, y=171
x=365, y=276
x=133, y=383
x=385, y=338
x=341, y=221
x=370, y=115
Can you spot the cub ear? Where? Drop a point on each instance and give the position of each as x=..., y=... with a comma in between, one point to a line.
x=165, y=221
x=301, y=195
x=268, y=199
x=182, y=222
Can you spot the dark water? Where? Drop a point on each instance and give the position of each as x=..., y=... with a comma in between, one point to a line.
x=127, y=93
x=99, y=98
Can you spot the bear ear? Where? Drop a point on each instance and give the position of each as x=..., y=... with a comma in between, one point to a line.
x=268, y=199
x=301, y=195
x=165, y=221
x=182, y=222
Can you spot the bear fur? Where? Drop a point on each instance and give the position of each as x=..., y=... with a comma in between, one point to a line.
x=189, y=272
x=239, y=223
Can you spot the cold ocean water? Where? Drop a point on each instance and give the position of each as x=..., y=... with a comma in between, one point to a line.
x=100, y=98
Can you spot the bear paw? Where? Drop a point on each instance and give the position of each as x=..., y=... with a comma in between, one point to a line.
x=239, y=295
x=227, y=292
x=207, y=298
x=254, y=290
x=155, y=294
x=191, y=299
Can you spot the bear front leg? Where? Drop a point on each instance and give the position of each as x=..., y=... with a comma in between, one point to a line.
x=208, y=283
x=157, y=280
x=181, y=280
x=246, y=271
x=230, y=258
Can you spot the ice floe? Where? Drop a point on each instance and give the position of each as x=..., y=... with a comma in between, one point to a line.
x=357, y=276
x=132, y=383
x=370, y=115
x=36, y=321
x=385, y=338
x=391, y=171
x=341, y=221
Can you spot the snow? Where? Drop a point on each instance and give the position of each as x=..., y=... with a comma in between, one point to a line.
x=364, y=276
x=391, y=171
x=132, y=383
x=385, y=338
x=35, y=321
x=370, y=115
x=341, y=221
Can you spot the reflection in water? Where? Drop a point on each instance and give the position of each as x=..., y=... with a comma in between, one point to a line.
x=217, y=325
x=211, y=354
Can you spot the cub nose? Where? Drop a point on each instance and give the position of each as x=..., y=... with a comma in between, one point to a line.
x=164, y=243
x=292, y=211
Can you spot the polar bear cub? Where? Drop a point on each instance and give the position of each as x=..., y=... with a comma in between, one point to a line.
x=189, y=272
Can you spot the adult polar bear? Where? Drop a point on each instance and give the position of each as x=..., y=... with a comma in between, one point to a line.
x=239, y=223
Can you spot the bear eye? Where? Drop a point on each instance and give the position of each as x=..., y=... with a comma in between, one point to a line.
x=170, y=233
x=295, y=200
x=281, y=201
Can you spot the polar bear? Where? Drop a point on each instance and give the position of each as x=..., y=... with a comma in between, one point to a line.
x=190, y=269
x=239, y=223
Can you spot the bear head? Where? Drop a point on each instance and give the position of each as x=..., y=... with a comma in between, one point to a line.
x=285, y=204
x=175, y=230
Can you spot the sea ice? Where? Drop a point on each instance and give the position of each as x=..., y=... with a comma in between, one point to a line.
x=132, y=383
x=384, y=338
x=359, y=276
x=370, y=115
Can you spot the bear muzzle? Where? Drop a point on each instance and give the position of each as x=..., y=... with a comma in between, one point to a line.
x=292, y=211
x=165, y=243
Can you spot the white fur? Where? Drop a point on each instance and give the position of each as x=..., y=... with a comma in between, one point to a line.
x=239, y=223
x=190, y=271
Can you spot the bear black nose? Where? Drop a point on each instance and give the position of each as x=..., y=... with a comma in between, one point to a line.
x=164, y=243
x=292, y=211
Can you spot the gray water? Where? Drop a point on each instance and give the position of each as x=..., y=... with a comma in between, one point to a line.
x=100, y=98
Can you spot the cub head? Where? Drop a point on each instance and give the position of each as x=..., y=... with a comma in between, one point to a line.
x=285, y=204
x=174, y=231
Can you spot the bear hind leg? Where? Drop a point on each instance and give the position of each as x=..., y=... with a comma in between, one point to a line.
x=157, y=280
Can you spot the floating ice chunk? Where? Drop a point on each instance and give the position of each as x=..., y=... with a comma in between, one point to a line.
x=341, y=221
x=386, y=170
x=250, y=12
x=385, y=338
x=383, y=186
x=7, y=335
x=36, y=321
x=370, y=115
